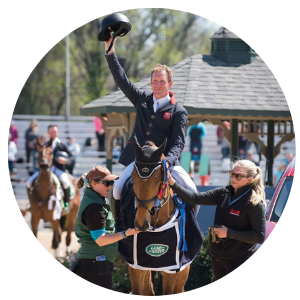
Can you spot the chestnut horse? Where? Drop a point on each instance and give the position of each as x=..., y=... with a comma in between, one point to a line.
x=44, y=190
x=154, y=208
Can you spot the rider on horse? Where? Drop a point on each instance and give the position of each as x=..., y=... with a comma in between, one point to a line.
x=158, y=116
x=61, y=156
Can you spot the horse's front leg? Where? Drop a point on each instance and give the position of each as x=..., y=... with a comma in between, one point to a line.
x=56, y=240
x=34, y=225
x=174, y=283
x=71, y=222
x=141, y=283
x=35, y=219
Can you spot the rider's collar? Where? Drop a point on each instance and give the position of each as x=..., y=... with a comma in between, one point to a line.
x=55, y=142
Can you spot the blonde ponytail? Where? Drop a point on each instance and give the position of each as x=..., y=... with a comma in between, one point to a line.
x=258, y=189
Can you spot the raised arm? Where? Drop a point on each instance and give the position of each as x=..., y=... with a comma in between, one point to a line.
x=118, y=73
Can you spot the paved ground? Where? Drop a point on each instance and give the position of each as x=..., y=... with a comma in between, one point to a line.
x=45, y=238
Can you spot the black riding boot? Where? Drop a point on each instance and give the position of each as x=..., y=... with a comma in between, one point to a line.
x=66, y=200
x=115, y=208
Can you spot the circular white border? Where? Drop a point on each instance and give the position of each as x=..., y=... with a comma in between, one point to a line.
x=30, y=28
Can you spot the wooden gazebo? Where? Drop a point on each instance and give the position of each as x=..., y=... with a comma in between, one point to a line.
x=232, y=84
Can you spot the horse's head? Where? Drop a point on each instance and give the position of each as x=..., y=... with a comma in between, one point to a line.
x=45, y=154
x=148, y=181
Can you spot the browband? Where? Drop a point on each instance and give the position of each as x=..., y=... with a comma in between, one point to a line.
x=147, y=172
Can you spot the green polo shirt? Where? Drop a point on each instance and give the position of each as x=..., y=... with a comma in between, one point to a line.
x=89, y=248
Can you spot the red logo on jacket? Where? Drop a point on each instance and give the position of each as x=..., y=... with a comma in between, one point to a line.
x=235, y=212
x=167, y=115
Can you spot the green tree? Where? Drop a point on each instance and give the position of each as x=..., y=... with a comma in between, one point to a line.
x=157, y=36
x=89, y=61
x=44, y=90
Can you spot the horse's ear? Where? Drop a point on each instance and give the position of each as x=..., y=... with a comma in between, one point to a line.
x=137, y=148
x=136, y=141
x=38, y=142
x=162, y=147
x=49, y=143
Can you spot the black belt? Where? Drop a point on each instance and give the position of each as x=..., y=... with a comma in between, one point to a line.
x=96, y=259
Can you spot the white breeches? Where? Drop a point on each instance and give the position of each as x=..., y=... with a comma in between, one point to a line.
x=63, y=178
x=177, y=172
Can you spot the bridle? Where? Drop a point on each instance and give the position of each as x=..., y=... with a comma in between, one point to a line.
x=159, y=203
x=45, y=164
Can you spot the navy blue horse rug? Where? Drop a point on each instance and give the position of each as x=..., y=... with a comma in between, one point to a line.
x=169, y=248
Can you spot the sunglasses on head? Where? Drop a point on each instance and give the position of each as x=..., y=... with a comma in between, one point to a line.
x=238, y=177
x=107, y=183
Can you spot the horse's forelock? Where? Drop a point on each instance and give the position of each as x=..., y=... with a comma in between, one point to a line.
x=147, y=154
x=150, y=144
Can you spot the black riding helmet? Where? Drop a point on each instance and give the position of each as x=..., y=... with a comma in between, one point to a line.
x=117, y=24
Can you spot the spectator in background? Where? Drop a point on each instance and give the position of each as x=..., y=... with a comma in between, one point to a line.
x=287, y=158
x=251, y=157
x=30, y=141
x=12, y=151
x=196, y=133
x=278, y=173
x=75, y=150
x=225, y=148
x=257, y=146
x=220, y=135
x=100, y=133
x=120, y=142
x=13, y=130
x=243, y=144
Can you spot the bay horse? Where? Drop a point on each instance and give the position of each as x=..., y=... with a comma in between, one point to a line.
x=43, y=191
x=154, y=208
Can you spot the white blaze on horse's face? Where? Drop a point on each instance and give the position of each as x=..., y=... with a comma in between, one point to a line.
x=146, y=188
x=45, y=156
